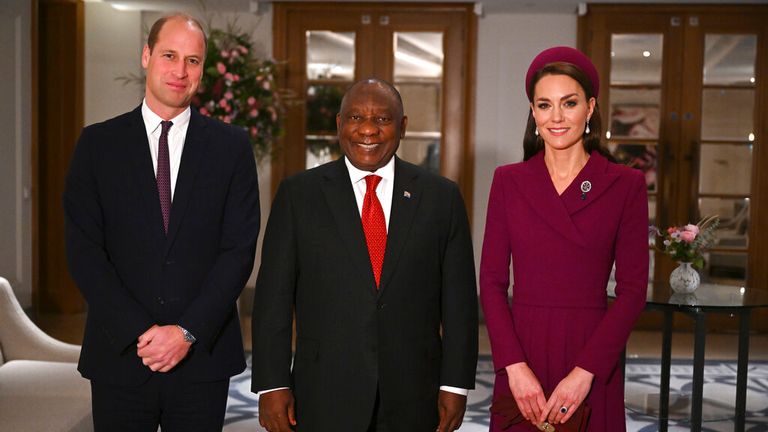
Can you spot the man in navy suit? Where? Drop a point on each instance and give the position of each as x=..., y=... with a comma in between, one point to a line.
x=162, y=216
x=374, y=256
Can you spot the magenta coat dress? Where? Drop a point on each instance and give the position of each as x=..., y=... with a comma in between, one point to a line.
x=562, y=249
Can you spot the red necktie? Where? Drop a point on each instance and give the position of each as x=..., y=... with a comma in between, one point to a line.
x=164, y=174
x=374, y=226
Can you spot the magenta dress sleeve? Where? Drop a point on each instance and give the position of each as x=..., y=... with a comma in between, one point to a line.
x=601, y=353
x=494, y=279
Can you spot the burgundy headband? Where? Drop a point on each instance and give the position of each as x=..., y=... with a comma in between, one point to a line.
x=566, y=55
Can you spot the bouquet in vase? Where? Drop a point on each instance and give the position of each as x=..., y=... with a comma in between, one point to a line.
x=686, y=244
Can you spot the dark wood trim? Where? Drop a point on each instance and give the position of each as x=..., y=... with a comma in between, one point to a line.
x=34, y=156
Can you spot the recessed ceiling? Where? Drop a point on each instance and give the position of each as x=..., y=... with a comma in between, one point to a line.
x=486, y=6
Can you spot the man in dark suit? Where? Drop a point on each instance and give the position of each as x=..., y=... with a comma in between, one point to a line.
x=162, y=215
x=374, y=256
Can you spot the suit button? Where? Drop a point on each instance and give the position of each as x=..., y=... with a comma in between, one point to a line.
x=160, y=300
x=381, y=306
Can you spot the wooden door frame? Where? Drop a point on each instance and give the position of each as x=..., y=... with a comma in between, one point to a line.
x=458, y=160
x=602, y=15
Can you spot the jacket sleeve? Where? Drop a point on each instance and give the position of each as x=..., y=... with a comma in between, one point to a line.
x=459, y=301
x=494, y=280
x=240, y=224
x=121, y=317
x=601, y=353
x=272, y=320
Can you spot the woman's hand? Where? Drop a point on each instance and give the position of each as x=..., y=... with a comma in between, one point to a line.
x=527, y=391
x=569, y=393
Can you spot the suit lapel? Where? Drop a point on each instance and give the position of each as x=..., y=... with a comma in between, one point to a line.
x=340, y=197
x=541, y=195
x=144, y=173
x=194, y=146
x=595, y=172
x=406, y=196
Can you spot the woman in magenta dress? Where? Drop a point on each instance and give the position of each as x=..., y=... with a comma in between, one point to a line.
x=563, y=216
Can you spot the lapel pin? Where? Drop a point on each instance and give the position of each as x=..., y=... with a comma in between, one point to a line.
x=586, y=186
x=407, y=194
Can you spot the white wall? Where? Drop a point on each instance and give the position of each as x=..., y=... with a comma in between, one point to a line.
x=15, y=155
x=113, y=41
x=506, y=45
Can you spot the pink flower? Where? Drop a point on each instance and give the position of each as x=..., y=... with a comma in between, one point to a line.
x=235, y=54
x=226, y=119
x=265, y=85
x=203, y=111
x=221, y=68
x=242, y=49
x=671, y=230
x=228, y=76
x=223, y=103
x=692, y=228
x=687, y=236
x=254, y=113
x=228, y=95
x=254, y=131
x=235, y=77
x=224, y=53
x=251, y=100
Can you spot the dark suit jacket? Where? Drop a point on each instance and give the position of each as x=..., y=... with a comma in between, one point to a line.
x=352, y=338
x=132, y=275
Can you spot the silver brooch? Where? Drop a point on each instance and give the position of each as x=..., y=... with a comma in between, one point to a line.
x=586, y=186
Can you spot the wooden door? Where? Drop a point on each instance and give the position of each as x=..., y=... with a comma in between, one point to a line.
x=686, y=102
x=423, y=49
x=60, y=119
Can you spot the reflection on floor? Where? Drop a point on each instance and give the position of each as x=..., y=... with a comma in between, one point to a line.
x=642, y=391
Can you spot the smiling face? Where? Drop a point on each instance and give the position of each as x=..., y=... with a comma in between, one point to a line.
x=561, y=109
x=174, y=67
x=370, y=125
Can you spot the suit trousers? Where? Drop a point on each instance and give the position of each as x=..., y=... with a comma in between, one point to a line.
x=165, y=400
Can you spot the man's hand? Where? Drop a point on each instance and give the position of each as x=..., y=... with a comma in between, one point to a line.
x=526, y=389
x=276, y=411
x=451, y=407
x=569, y=393
x=161, y=348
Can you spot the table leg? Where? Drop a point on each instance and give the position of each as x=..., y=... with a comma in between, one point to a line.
x=666, y=364
x=741, y=371
x=698, y=370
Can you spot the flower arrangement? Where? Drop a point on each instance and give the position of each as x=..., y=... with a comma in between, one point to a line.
x=688, y=243
x=239, y=89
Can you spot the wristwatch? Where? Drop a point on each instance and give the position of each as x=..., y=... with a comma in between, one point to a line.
x=187, y=335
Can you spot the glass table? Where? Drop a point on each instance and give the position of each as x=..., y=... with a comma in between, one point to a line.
x=707, y=299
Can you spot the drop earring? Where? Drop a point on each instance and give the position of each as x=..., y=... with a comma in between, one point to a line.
x=536, y=131
x=586, y=129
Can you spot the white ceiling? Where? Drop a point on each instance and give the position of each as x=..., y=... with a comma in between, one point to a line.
x=486, y=6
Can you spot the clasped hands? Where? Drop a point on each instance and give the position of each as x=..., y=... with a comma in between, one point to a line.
x=529, y=396
x=277, y=411
x=161, y=348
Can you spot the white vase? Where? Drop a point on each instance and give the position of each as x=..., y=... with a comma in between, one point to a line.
x=684, y=279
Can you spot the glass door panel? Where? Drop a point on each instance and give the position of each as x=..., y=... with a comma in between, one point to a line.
x=418, y=75
x=634, y=107
x=330, y=70
x=725, y=153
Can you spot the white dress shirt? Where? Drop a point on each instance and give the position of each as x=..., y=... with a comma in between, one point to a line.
x=176, y=136
x=384, y=192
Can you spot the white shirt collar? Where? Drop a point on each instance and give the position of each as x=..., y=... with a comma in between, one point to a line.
x=387, y=172
x=152, y=120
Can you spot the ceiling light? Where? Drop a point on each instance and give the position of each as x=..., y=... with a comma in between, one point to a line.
x=607, y=134
x=646, y=53
x=751, y=137
x=752, y=80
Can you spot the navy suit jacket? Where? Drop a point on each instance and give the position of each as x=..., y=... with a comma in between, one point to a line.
x=132, y=274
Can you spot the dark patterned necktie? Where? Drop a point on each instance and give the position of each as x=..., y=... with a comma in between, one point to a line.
x=164, y=174
x=374, y=226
